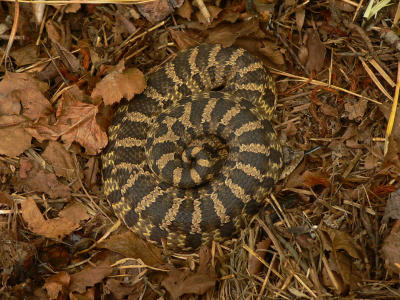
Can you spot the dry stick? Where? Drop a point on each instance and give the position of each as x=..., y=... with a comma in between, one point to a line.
x=321, y=83
x=12, y=34
x=267, y=277
x=393, y=111
x=358, y=8
x=134, y=37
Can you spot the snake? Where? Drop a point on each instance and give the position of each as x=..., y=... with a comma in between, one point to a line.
x=195, y=155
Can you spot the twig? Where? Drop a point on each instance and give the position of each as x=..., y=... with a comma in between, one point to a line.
x=12, y=34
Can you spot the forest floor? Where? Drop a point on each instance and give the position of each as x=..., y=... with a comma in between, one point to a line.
x=330, y=230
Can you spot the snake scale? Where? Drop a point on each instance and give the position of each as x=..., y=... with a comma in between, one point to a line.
x=194, y=155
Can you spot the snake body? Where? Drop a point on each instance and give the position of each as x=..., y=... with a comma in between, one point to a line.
x=194, y=155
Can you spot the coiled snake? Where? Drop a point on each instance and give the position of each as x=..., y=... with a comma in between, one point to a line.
x=194, y=155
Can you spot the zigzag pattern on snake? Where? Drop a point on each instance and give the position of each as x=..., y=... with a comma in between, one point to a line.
x=194, y=155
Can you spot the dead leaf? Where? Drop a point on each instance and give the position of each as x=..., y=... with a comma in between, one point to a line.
x=25, y=55
x=311, y=179
x=118, y=289
x=391, y=247
x=356, y=110
x=13, y=140
x=316, y=52
x=300, y=16
x=6, y=199
x=186, y=282
x=227, y=34
x=329, y=110
x=272, y=52
x=214, y=12
x=56, y=228
x=155, y=11
x=255, y=265
x=76, y=122
x=60, y=159
x=34, y=104
x=89, y=277
x=56, y=283
x=185, y=11
x=116, y=86
x=130, y=245
x=72, y=8
x=35, y=179
x=392, y=209
x=371, y=161
x=53, y=32
x=182, y=39
x=18, y=81
x=9, y=105
x=343, y=241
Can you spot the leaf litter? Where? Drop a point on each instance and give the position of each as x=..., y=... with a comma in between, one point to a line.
x=330, y=231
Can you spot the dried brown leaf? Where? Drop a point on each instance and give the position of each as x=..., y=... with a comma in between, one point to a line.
x=273, y=53
x=34, y=104
x=89, y=277
x=185, y=11
x=17, y=81
x=55, y=228
x=60, y=159
x=311, y=179
x=316, y=52
x=343, y=241
x=53, y=32
x=371, y=161
x=6, y=199
x=255, y=265
x=13, y=140
x=182, y=39
x=38, y=180
x=356, y=110
x=186, y=282
x=300, y=16
x=25, y=55
x=77, y=123
x=116, y=86
x=9, y=105
x=56, y=283
x=130, y=245
x=329, y=110
x=155, y=11
x=118, y=289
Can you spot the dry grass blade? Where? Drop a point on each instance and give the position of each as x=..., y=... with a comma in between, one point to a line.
x=321, y=83
x=382, y=72
x=375, y=79
x=13, y=33
x=393, y=111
